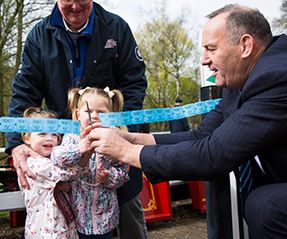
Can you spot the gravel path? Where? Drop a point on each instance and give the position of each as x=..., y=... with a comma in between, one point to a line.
x=186, y=223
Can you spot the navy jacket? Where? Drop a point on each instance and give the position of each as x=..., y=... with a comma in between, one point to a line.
x=246, y=123
x=46, y=71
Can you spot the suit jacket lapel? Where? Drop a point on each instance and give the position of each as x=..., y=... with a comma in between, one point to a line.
x=232, y=102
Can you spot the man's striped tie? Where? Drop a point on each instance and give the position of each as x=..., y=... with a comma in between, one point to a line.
x=246, y=183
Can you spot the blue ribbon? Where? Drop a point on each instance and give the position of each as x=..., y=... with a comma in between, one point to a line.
x=64, y=126
x=157, y=115
x=19, y=124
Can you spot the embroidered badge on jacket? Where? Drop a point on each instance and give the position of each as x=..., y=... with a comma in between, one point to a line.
x=111, y=43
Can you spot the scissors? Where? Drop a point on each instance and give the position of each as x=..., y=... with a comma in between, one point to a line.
x=89, y=112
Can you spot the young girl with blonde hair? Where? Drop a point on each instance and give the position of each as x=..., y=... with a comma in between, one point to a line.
x=93, y=197
x=45, y=219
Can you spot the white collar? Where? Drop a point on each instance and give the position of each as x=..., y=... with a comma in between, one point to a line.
x=70, y=30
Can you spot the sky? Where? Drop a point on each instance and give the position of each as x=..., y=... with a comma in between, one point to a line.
x=137, y=12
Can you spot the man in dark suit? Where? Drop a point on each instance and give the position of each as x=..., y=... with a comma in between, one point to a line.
x=248, y=125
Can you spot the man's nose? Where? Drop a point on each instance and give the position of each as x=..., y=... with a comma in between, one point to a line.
x=75, y=5
x=205, y=60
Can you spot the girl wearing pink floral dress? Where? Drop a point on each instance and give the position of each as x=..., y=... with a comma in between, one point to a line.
x=44, y=218
x=93, y=196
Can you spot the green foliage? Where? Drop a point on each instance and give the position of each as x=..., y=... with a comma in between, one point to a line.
x=4, y=214
x=167, y=50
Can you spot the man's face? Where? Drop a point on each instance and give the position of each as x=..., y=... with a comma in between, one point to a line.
x=75, y=13
x=221, y=56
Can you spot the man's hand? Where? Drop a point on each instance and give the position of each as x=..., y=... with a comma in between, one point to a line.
x=124, y=134
x=108, y=142
x=20, y=155
x=87, y=130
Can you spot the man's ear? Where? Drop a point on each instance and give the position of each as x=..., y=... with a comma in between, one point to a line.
x=247, y=44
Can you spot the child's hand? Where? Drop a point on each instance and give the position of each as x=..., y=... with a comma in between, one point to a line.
x=102, y=173
x=85, y=145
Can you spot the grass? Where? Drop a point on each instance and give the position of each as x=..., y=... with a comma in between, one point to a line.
x=4, y=214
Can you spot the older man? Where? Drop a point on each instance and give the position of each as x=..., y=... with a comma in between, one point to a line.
x=249, y=125
x=81, y=44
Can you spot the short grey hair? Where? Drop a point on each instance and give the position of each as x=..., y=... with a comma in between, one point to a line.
x=243, y=20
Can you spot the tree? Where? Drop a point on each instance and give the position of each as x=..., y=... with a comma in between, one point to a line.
x=280, y=23
x=16, y=19
x=8, y=15
x=167, y=50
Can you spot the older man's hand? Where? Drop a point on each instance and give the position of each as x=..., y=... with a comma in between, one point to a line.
x=20, y=155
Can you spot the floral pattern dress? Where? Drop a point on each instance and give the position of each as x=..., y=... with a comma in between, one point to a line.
x=44, y=219
x=95, y=205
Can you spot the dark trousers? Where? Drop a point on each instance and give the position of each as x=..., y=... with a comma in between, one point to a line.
x=108, y=235
x=132, y=222
x=266, y=212
x=218, y=203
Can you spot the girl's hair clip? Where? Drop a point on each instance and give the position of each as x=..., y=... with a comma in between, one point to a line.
x=109, y=92
x=82, y=91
